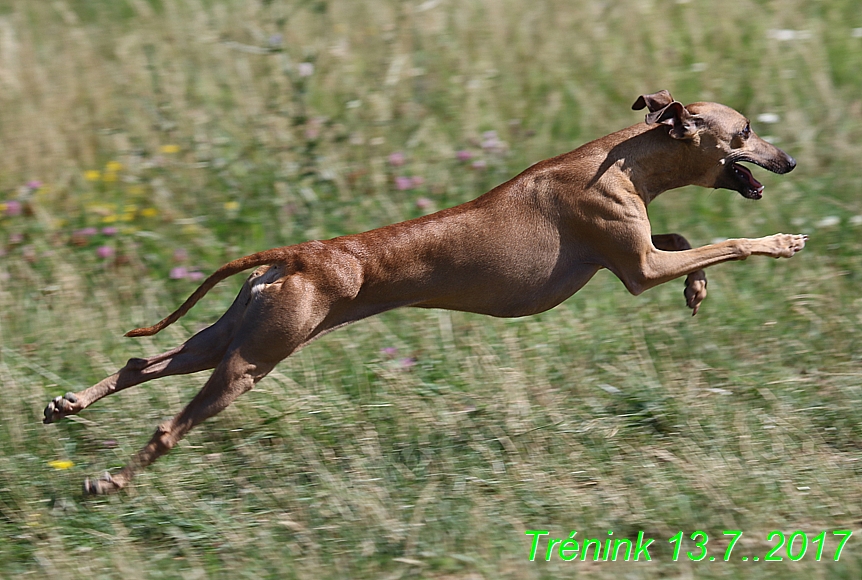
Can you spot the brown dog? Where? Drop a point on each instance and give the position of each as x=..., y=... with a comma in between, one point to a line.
x=522, y=248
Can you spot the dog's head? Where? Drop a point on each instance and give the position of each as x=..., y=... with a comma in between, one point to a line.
x=724, y=140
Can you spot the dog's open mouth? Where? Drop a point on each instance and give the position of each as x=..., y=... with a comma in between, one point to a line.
x=751, y=188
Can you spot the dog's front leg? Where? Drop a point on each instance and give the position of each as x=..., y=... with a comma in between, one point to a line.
x=695, y=282
x=645, y=266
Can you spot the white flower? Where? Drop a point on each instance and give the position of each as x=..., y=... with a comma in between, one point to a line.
x=305, y=69
x=829, y=221
x=768, y=118
x=785, y=34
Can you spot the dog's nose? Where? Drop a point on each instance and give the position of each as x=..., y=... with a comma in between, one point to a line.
x=791, y=163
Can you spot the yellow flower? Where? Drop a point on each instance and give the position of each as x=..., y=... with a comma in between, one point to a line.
x=61, y=464
x=231, y=205
x=127, y=217
x=170, y=149
x=93, y=175
x=113, y=166
x=109, y=177
x=149, y=212
x=109, y=219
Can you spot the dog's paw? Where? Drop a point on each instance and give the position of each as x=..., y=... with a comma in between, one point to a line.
x=695, y=290
x=61, y=407
x=785, y=245
x=102, y=486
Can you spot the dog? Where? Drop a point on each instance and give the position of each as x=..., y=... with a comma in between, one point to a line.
x=519, y=249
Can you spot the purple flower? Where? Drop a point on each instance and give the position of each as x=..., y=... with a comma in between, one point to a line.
x=109, y=231
x=29, y=253
x=104, y=252
x=34, y=184
x=406, y=363
x=464, y=155
x=479, y=164
x=423, y=203
x=87, y=232
x=178, y=273
x=13, y=207
x=403, y=183
x=196, y=276
x=396, y=159
x=305, y=69
x=389, y=351
x=417, y=180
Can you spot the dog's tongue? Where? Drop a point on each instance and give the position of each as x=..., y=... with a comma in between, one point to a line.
x=747, y=174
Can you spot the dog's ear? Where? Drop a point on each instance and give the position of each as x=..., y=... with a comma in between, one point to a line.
x=653, y=102
x=683, y=125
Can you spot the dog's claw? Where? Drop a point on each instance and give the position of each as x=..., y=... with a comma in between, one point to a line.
x=102, y=486
x=61, y=407
x=695, y=290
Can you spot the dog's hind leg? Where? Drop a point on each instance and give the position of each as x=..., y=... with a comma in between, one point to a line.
x=201, y=352
x=233, y=376
x=278, y=320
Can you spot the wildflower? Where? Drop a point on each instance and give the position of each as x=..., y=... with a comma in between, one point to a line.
x=87, y=232
x=305, y=69
x=61, y=464
x=109, y=219
x=196, y=276
x=104, y=252
x=93, y=175
x=423, y=203
x=403, y=183
x=417, y=180
x=479, y=164
x=788, y=35
x=109, y=231
x=170, y=148
x=149, y=212
x=489, y=140
x=231, y=205
x=390, y=351
x=28, y=252
x=464, y=155
x=406, y=363
x=178, y=273
x=768, y=118
x=113, y=167
x=856, y=220
x=829, y=221
x=34, y=185
x=397, y=159
x=12, y=207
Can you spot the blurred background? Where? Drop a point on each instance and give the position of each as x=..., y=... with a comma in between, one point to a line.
x=145, y=142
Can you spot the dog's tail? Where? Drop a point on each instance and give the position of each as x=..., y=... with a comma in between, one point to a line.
x=229, y=269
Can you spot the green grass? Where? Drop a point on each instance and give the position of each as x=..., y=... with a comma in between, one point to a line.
x=608, y=413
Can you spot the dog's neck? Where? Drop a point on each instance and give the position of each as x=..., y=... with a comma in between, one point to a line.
x=652, y=161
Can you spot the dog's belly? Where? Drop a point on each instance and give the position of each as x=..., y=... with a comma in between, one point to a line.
x=509, y=297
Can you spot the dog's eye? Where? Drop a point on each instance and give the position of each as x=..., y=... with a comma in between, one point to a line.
x=746, y=131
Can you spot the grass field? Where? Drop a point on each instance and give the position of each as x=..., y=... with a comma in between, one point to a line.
x=145, y=142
